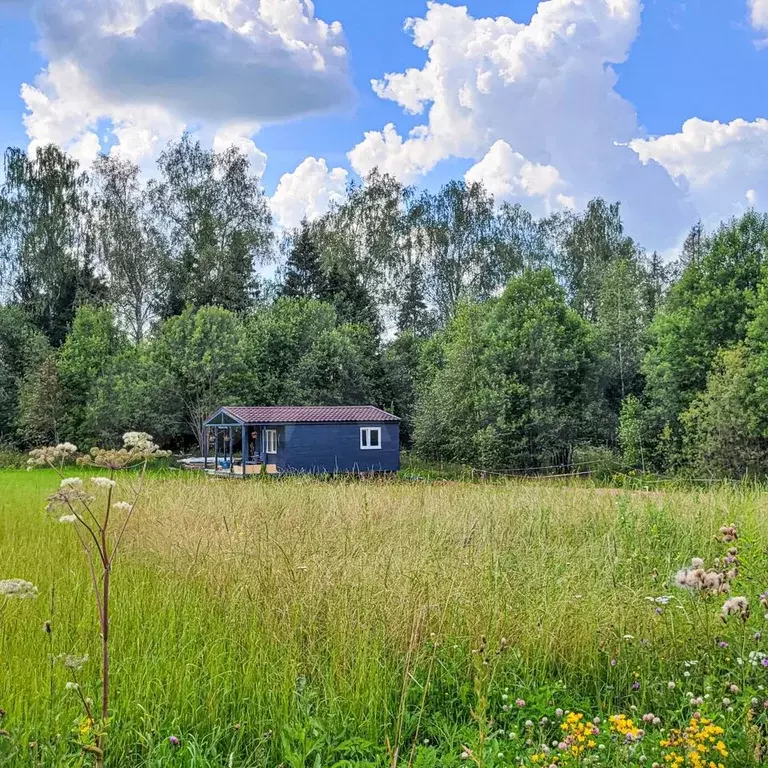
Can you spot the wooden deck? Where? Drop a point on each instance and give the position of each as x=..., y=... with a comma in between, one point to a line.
x=237, y=471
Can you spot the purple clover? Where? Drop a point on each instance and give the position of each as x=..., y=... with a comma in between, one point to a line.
x=764, y=661
x=636, y=685
x=174, y=741
x=723, y=644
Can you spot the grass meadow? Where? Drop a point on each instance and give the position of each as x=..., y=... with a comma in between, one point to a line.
x=306, y=623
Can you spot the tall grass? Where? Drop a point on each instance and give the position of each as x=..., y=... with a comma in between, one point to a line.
x=303, y=623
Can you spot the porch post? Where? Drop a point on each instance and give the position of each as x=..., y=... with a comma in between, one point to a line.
x=215, y=448
x=244, y=451
x=205, y=447
x=231, y=453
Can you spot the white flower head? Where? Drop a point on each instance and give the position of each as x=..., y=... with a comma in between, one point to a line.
x=71, y=661
x=103, y=482
x=18, y=588
x=122, y=506
x=141, y=442
x=74, y=483
x=70, y=686
x=68, y=519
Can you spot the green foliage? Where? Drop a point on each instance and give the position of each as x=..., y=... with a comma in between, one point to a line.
x=707, y=310
x=22, y=350
x=514, y=382
x=88, y=348
x=215, y=219
x=720, y=438
x=42, y=416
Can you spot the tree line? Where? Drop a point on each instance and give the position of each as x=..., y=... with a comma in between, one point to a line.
x=503, y=340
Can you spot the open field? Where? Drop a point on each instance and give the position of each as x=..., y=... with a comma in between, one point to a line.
x=303, y=623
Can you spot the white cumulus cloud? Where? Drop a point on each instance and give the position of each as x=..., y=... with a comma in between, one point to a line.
x=308, y=192
x=547, y=90
x=507, y=175
x=758, y=10
x=723, y=167
x=131, y=74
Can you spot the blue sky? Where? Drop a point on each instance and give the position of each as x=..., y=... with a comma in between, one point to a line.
x=679, y=135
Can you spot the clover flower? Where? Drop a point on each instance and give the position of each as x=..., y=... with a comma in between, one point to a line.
x=18, y=589
x=735, y=606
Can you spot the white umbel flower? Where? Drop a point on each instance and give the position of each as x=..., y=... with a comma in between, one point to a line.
x=122, y=506
x=18, y=588
x=72, y=482
x=68, y=519
x=103, y=482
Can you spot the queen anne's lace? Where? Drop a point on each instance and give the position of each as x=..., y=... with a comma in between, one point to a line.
x=18, y=588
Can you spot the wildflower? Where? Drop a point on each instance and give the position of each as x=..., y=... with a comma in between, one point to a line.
x=70, y=686
x=103, y=482
x=671, y=685
x=68, y=519
x=71, y=661
x=71, y=490
x=559, y=712
x=733, y=688
x=728, y=533
x=174, y=741
x=125, y=506
x=735, y=606
x=636, y=685
x=52, y=454
x=520, y=703
x=18, y=588
x=723, y=644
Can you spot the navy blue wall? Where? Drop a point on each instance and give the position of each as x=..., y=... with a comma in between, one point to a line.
x=336, y=448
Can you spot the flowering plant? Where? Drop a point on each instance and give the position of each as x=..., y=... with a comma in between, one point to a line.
x=99, y=518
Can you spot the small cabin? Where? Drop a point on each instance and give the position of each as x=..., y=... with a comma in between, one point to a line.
x=301, y=439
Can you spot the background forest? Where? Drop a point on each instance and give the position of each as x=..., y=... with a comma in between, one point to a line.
x=503, y=341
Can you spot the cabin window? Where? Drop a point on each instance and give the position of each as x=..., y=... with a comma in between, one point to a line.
x=271, y=441
x=370, y=438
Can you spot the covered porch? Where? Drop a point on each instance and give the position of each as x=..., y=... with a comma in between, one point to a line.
x=234, y=448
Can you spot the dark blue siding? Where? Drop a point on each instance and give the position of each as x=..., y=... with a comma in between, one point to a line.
x=336, y=448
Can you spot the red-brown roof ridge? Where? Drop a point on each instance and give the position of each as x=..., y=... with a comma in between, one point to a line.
x=309, y=414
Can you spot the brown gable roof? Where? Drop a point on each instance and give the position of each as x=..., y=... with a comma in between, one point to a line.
x=313, y=414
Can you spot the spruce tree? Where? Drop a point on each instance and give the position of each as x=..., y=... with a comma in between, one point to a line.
x=304, y=276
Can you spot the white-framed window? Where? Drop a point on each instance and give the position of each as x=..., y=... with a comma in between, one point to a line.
x=370, y=438
x=271, y=441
